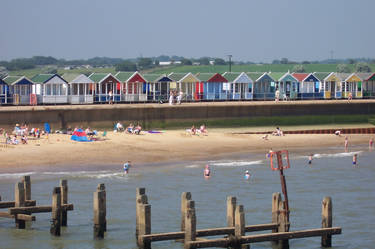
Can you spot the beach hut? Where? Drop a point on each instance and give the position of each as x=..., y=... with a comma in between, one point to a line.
x=50, y=89
x=368, y=83
x=287, y=85
x=309, y=86
x=108, y=87
x=264, y=86
x=4, y=92
x=135, y=86
x=215, y=86
x=20, y=89
x=81, y=88
x=186, y=83
x=350, y=83
x=331, y=86
x=241, y=85
x=159, y=86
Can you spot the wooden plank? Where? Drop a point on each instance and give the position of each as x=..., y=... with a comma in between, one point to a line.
x=291, y=235
x=208, y=232
x=25, y=217
x=38, y=209
x=6, y=215
x=10, y=204
x=326, y=221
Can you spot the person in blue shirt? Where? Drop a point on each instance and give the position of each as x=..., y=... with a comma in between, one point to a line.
x=126, y=167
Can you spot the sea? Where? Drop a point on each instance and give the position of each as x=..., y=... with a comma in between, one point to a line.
x=331, y=173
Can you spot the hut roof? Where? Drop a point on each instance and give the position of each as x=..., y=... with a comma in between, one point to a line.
x=81, y=79
x=12, y=80
x=300, y=76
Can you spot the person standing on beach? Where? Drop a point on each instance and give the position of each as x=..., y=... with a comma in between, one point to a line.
x=370, y=143
x=346, y=143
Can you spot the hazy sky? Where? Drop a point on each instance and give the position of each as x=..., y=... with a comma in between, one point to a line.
x=250, y=30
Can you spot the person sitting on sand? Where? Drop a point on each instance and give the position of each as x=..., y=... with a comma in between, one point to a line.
x=130, y=128
x=137, y=129
x=338, y=133
x=193, y=130
x=15, y=140
x=119, y=127
x=24, y=139
x=203, y=129
x=8, y=139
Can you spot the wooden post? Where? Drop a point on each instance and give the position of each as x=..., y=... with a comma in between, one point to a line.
x=327, y=220
x=239, y=227
x=283, y=226
x=185, y=197
x=144, y=225
x=141, y=198
x=19, y=201
x=101, y=187
x=27, y=186
x=190, y=225
x=231, y=208
x=64, y=200
x=99, y=206
x=56, y=212
x=276, y=200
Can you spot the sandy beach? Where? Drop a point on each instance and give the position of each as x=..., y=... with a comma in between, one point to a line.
x=59, y=152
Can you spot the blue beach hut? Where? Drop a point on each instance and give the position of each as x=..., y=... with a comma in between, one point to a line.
x=20, y=89
x=241, y=85
x=4, y=92
x=264, y=86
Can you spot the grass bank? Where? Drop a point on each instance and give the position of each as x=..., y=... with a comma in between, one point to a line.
x=267, y=121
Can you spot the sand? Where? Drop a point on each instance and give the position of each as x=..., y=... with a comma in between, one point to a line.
x=59, y=152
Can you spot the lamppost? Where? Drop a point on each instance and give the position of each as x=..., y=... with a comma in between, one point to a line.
x=230, y=62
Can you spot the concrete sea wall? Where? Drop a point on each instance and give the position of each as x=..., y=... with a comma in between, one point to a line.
x=106, y=115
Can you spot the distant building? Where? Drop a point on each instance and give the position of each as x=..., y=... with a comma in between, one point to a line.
x=212, y=62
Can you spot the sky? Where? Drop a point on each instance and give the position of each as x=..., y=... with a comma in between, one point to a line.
x=249, y=30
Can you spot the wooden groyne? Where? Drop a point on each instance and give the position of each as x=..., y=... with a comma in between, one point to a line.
x=235, y=232
x=22, y=208
x=319, y=131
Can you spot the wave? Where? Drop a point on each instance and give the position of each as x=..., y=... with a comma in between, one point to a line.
x=74, y=174
x=235, y=163
x=336, y=155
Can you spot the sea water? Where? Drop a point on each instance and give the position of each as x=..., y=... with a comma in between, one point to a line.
x=331, y=173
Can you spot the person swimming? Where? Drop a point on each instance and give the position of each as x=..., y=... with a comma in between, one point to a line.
x=247, y=175
x=126, y=167
x=207, y=171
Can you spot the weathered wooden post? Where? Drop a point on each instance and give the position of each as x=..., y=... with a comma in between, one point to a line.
x=141, y=198
x=283, y=225
x=27, y=186
x=99, y=211
x=19, y=201
x=276, y=201
x=185, y=197
x=56, y=212
x=239, y=227
x=144, y=220
x=101, y=187
x=231, y=208
x=64, y=200
x=190, y=225
x=327, y=220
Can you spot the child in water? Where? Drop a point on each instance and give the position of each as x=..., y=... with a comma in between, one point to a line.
x=207, y=171
x=310, y=158
x=126, y=167
x=247, y=175
x=354, y=159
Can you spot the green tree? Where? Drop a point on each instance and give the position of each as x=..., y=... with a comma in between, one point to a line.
x=351, y=61
x=343, y=68
x=126, y=66
x=186, y=62
x=362, y=67
x=144, y=63
x=284, y=61
x=299, y=69
x=219, y=61
x=204, y=61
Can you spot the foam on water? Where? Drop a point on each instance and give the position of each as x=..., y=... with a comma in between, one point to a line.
x=343, y=154
x=235, y=163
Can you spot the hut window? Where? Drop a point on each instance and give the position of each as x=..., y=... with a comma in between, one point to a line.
x=250, y=88
x=48, y=90
x=54, y=89
x=81, y=89
x=2, y=90
x=75, y=89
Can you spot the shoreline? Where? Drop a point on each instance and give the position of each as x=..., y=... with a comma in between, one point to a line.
x=58, y=152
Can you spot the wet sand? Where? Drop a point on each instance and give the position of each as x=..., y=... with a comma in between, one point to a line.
x=59, y=152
